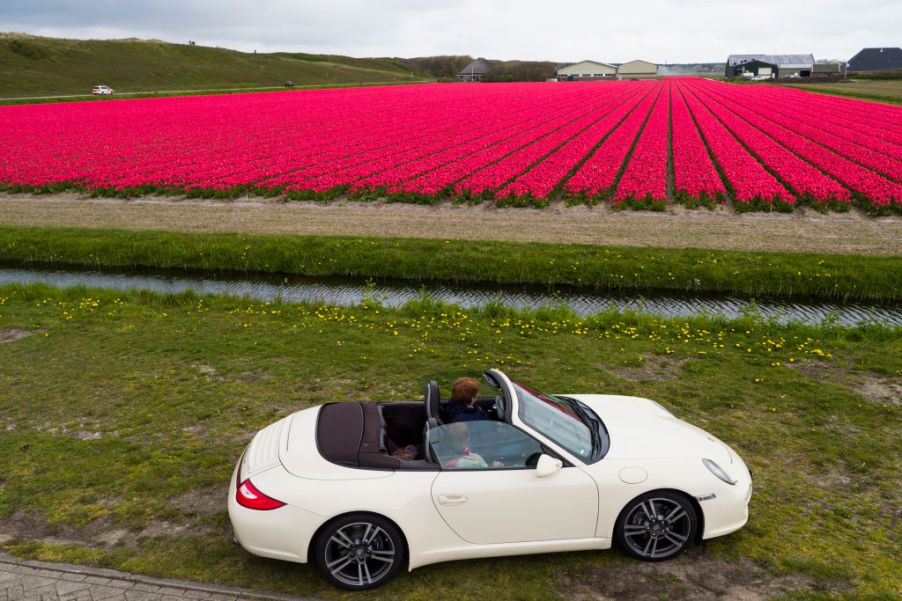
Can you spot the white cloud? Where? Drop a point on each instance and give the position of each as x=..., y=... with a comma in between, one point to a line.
x=657, y=30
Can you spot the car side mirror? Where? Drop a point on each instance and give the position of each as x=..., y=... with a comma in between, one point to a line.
x=548, y=466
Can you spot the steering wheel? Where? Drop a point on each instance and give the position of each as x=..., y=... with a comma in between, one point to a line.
x=499, y=407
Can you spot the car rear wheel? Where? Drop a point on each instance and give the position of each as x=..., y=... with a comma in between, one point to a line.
x=656, y=526
x=360, y=551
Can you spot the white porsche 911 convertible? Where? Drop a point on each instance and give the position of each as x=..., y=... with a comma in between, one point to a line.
x=544, y=473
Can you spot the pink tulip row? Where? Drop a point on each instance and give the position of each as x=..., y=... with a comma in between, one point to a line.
x=849, y=112
x=514, y=143
x=351, y=157
x=595, y=178
x=752, y=186
x=831, y=112
x=443, y=178
x=876, y=192
x=880, y=138
x=695, y=180
x=247, y=136
x=496, y=175
x=854, y=150
x=525, y=144
x=375, y=167
x=378, y=169
x=644, y=182
x=540, y=181
x=802, y=177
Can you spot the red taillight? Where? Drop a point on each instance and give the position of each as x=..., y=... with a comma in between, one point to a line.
x=249, y=496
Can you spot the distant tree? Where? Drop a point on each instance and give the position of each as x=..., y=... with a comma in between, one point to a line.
x=440, y=67
x=520, y=71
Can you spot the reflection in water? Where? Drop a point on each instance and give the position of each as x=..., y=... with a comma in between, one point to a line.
x=351, y=292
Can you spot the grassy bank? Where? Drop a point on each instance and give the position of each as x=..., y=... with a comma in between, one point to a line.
x=122, y=416
x=40, y=66
x=583, y=266
x=889, y=92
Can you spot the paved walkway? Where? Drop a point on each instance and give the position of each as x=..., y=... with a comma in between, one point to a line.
x=44, y=581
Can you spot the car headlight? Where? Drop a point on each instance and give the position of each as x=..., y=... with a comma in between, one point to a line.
x=718, y=471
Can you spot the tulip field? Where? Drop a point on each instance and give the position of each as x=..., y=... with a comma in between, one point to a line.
x=630, y=144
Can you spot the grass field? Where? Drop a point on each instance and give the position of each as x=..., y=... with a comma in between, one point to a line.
x=888, y=91
x=572, y=266
x=38, y=66
x=123, y=415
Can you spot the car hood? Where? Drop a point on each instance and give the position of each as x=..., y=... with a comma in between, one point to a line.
x=641, y=428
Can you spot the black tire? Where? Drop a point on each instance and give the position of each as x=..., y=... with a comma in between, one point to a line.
x=359, y=551
x=656, y=526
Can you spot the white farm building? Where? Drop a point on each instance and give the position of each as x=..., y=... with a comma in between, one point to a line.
x=586, y=70
x=637, y=69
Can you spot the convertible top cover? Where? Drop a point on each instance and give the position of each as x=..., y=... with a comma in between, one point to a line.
x=354, y=435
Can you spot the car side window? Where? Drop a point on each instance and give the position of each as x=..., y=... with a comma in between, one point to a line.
x=483, y=444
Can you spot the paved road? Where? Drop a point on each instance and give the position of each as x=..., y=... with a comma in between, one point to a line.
x=159, y=92
x=87, y=95
x=44, y=581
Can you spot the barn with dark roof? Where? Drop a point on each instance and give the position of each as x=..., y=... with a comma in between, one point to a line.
x=876, y=59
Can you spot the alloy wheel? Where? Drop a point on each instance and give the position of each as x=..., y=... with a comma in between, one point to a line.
x=359, y=554
x=658, y=527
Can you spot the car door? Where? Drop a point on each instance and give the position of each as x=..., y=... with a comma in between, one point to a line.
x=488, y=491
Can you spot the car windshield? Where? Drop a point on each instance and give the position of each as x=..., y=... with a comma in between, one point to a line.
x=563, y=420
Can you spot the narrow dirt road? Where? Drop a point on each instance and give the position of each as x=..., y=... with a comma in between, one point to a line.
x=802, y=231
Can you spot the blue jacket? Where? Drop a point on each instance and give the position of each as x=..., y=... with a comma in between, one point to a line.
x=458, y=412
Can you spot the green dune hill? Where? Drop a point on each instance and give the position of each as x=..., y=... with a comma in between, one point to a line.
x=39, y=66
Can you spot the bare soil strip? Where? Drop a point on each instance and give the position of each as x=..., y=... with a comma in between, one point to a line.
x=801, y=231
x=691, y=577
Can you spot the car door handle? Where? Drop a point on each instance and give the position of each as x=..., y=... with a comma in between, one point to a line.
x=451, y=499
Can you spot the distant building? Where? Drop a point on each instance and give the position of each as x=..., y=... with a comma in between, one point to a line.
x=637, y=69
x=827, y=70
x=586, y=70
x=788, y=65
x=757, y=68
x=475, y=71
x=876, y=59
x=680, y=69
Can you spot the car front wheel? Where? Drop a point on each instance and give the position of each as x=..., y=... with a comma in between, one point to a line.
x=360, y=551
x=656, y=526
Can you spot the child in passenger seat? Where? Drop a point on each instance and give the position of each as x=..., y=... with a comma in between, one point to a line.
x=457, y=439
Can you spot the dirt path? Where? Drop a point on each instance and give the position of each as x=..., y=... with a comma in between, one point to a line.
x=804, y=230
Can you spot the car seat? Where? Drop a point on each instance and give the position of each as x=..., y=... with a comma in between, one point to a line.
x=433, y=405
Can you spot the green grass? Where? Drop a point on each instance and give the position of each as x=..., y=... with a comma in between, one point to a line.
x=855, y=95
x=886, y=91
x=568, y=265
x=120, y=404
x=38, y=66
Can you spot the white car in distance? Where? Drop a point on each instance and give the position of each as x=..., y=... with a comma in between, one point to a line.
x=102, y=91
x=556, y=473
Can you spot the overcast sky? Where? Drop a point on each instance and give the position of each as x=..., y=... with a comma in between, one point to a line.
x=557, y=30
